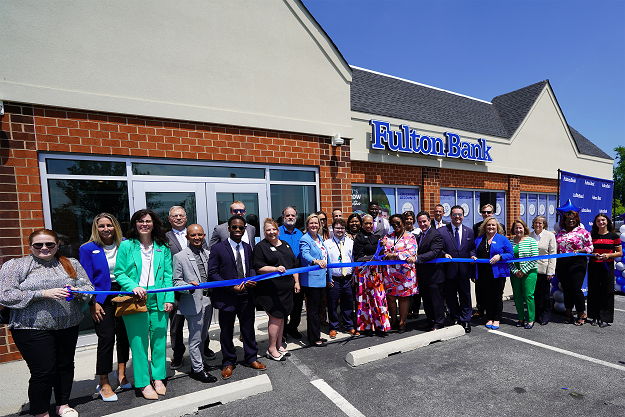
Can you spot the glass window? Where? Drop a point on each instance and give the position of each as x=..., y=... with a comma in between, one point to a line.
x=291, y=175
x=162, y=202
x=391, y=199
x=72, y=167
x=302, y=197
x=523, y=210
x=74, y=204
x=224, y=200
x=196, y=171
x=465, y=200
x=448, y=200
x=551, y=211
x=360, y=199
x=386, y=200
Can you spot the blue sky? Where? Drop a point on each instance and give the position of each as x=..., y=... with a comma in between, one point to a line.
x=486, y=48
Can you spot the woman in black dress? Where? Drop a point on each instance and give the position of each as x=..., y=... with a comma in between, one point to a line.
x=275, y=295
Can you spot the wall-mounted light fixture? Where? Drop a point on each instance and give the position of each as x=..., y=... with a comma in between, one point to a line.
x=337, y=140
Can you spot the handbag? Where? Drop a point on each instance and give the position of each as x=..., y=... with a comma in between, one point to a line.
x=129, y=304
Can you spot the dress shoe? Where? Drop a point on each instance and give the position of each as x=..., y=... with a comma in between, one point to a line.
x=520, y=323
x=209, y=354
x=477, y=314
x=593, y=322
x=122, y=386
x=106, y=399
x=369, y=333
x=323, y=340
x=489, y=326
x=285, y=353
x=175, y=363
x=321, y=344
x=603, y=324
x=494, y=327
x=354, y=332
x=543, y=323
x=162, y=390
x=202, y=376
x=150, y=396
x=256, y=365
x=466, y=325
x=294, y=333
x=380, y=333
x=279, y=358
x=333, y=334
x=529, y=325
x=226, y=372
x=436, y=327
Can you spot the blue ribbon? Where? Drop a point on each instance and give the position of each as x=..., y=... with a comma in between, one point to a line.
x=376, y=262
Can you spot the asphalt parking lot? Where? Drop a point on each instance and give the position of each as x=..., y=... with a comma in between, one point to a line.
x=551, y=370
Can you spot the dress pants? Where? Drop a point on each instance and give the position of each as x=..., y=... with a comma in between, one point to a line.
x=480, y=301
x=432, y=295
x=341, y=293
x=523, y=293
x=198, y=333
x=148, y=329
x=571, y=272
x=176, y=327
x=49, y=355
x=109, y=328
x=245, y=310
x=295, y=318
x=458, y=296
x=314, y=296
x=542, y=298
x=493, y=296
x=601, y=291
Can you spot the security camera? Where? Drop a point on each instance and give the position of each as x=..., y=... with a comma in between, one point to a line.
x=337, y=140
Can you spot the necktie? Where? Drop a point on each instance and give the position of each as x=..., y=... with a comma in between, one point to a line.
x=344, y=271
x=240, y=272
x=457, y=236
x=200, y=266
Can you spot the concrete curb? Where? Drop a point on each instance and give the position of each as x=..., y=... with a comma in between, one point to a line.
x=190, y=403
x=374, y=353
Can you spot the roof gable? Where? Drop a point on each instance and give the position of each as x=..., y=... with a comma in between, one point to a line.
x=514, y=106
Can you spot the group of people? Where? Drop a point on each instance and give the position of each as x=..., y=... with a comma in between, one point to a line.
x=40, y=289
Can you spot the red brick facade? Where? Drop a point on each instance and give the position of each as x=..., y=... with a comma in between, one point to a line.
x=28, y=129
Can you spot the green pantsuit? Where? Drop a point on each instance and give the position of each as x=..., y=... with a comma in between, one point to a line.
x=523, y=288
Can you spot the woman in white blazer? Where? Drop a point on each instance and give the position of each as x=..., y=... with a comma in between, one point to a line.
x=546, y=268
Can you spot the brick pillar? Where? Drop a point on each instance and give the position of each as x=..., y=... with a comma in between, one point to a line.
x=431, y=188
x=335, y=177
x=514, y=200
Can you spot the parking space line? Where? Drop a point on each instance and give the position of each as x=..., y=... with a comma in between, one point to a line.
x=337, y=398
x=555, y=349
x=618, y=309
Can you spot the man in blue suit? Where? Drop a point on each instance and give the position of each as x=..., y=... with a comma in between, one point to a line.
x=459, y=242
x=232, y=259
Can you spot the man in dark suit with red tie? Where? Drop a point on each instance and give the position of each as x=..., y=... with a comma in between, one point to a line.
x=232, y=259
x=431, y=277
x=459, y=242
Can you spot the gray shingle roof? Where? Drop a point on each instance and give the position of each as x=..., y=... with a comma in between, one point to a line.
x=384, y=95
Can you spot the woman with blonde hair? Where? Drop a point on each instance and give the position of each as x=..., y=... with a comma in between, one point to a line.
x=44, y=323
x=98, y=256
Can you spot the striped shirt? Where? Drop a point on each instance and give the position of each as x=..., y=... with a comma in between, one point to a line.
x=605, y=244
x=526, y=248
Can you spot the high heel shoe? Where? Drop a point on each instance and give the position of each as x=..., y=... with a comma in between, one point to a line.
x=149, y=396
x=106, y=399
x=160, y=390
x=529, y=325
x=277, y=359
x=124, y=386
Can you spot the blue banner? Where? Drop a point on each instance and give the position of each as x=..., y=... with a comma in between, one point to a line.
x=592, y=195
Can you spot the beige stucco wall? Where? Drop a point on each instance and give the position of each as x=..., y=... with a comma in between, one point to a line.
x=540, y=147
x=247, y=63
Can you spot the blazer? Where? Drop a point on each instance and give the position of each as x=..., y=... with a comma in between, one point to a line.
x=221, y=233
x=128, y=269
x=174, y=245
x=185, y=271
x=93, y=260
x=308, y=252
x=431, y=247
x=502, y=246
x=222, y=267
x=546, y=246
x=466, y=250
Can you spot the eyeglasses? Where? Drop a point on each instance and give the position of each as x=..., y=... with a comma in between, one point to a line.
x=178, y=216
x=144, y=221
x=238, y=211
x=49, y=245
x=339, y=228
x=487, y=212
x=457, y=215
x=237, y=227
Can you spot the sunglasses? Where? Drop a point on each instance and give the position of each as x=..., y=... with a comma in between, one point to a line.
x=396, y=224
x=458, y=214
x=49, y=245
x=237, y=227
x=487, y=212
x=238, y=211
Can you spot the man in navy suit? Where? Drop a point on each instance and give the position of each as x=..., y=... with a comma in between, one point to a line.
x=431, y=277
x=232, y=259
x=459, y=242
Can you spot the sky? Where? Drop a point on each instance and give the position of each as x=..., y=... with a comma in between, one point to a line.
x=483, y=49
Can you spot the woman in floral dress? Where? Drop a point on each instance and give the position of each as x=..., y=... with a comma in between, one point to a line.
x=400, y=281
x=372, y=311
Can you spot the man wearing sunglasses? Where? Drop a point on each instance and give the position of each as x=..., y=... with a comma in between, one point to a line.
x=220, y=233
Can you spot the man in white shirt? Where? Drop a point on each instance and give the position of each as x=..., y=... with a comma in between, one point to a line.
x=340, y=248
x=438, y=216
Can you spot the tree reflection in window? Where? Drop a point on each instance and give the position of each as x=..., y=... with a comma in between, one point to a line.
x=82, y=167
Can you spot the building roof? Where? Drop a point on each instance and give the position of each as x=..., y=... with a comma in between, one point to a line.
x=385, y=95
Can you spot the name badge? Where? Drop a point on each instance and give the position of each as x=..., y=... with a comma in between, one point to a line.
x=96, y=251
x=158, y=250
x=273, y=248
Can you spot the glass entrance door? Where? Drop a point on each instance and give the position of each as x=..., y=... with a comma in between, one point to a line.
x=206, y=203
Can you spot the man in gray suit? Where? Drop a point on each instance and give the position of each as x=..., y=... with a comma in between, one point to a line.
x=221, y=233
x=177, y=239
x=190, y=267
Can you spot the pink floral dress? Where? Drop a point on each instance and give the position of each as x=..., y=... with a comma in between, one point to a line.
x=400, y=280
x=575, y=240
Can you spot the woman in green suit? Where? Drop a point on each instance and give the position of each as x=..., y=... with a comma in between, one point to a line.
x=144, y=262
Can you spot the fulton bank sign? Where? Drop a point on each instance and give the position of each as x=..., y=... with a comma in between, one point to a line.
x=409, y=141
